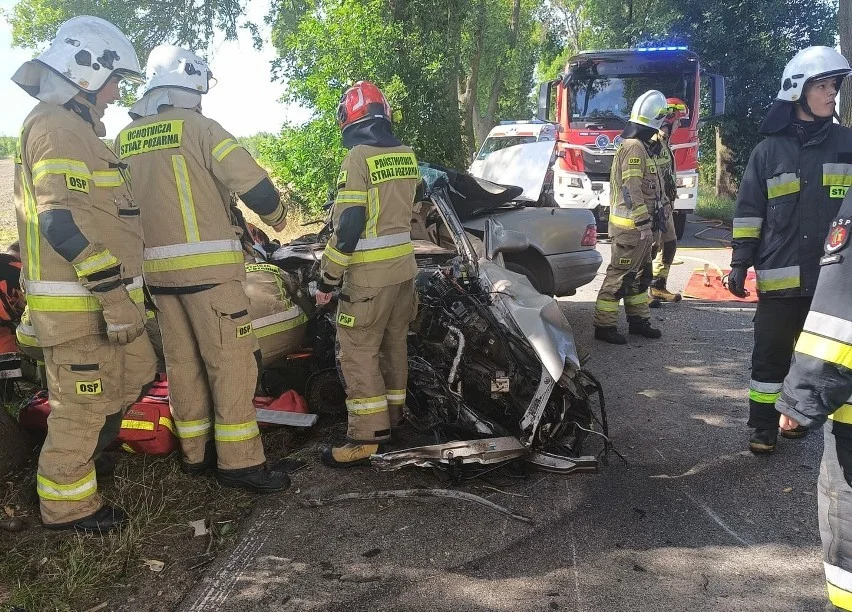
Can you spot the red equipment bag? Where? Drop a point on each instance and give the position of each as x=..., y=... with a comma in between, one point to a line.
x=148, y=427
x=289, y=408
x=33, y=416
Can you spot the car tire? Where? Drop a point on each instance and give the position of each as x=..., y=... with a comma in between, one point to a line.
x=519, y=269
x=679, y=223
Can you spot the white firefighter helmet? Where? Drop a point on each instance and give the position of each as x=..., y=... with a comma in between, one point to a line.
x=650, y=109
x=811, y=64
x=87, y=51
x=171, y=66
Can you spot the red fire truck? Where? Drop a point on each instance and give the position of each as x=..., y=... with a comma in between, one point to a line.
x=591, y=104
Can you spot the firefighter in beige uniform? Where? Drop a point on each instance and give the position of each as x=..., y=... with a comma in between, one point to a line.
x=371, y=253
x=81, y=247
x=184, y=166
x=279, y=324
x=665, y=234
x=636, y=192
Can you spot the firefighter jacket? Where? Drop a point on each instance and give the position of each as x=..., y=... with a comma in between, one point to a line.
x=636, y=188
x=184, y=168
x=278, y=323
x=788, y=196
x=371, y=243
x=819, y=384
x=77, y=223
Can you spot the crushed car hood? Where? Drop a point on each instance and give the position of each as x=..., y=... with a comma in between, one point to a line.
x=471, y=196
x=524, y=165
x=537, y=316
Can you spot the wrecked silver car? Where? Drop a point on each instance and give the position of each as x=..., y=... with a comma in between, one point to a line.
x=494, y=372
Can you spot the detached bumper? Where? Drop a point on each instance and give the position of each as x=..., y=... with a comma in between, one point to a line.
x=573, y=270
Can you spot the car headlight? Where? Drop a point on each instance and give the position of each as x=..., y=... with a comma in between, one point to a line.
x=687, y=182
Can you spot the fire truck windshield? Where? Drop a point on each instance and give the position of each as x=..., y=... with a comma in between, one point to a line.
x=608, y=99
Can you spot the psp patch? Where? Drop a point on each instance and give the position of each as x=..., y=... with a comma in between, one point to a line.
x=345, y=320
x=838, y=235
x=244, y=330
x=89, y=387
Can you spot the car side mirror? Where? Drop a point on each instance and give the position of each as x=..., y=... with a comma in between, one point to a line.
x=499, y=240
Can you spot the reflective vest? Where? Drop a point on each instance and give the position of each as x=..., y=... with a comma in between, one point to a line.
x=635, y=187
x=63, y=167
x=184, y=168
x=786, y=201
x=382, y=181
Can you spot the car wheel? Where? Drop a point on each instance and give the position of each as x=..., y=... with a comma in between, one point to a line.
x=679, y=223
x=519, y=269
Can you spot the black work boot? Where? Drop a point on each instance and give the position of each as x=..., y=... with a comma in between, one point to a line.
x=205, y=466
x=763, y=441
x=104, y=466
x=794, y=434
x=642, y=327
x=258, y=479
x=348, y=455
x=610, y=334
x=105, y=519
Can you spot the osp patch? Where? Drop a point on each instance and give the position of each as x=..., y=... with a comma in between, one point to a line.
x=244, y=330
x=89, y=387
x=838, y=235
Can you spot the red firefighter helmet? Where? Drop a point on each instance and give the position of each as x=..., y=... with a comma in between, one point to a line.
x=360, y=102
x=677, y=110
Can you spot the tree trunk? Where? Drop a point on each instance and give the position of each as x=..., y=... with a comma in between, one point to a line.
x=844, y=18
x=469, y=100
x=15, y=445
x=725, y=184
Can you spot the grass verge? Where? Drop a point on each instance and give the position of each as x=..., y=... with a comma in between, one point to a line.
x=65, y=571
x=711, y=206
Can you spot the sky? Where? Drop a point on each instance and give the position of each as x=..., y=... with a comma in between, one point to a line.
x=244, y=101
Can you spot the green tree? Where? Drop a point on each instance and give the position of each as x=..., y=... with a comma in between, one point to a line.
x=148, y=23
x=748, y=41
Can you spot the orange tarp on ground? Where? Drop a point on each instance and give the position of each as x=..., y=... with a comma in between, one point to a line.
x=697, y=289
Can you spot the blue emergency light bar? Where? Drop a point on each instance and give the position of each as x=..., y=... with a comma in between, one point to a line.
x=661, y=48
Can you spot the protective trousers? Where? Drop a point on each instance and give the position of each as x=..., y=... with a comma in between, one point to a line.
x=211, y=362
x=628, y=276
x=777, y=325
x=665, y=243
x=835, y=516
x=91, y=383
x=372, y=333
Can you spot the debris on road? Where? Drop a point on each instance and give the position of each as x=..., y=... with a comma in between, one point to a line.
x=414, y=493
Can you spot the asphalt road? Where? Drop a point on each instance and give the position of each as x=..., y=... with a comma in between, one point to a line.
x=691, y=522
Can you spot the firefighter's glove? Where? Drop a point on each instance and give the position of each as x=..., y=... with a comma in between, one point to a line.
x=123, y=318
x=736, y=281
